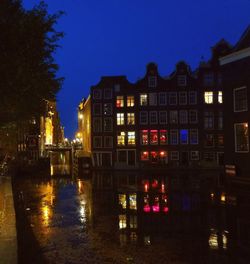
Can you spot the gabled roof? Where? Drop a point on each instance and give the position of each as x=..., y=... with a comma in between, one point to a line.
x=244, y=41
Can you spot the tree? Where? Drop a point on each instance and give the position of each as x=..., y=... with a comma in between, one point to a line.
x=28, y=72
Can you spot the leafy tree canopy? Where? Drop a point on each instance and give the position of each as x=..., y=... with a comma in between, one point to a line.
x=28, y=71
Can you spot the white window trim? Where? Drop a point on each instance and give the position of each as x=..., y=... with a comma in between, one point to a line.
x=150, y=113
x=182, y=111
x=127, y=150
x=94, y=141
x=192, y=152
x=197, y=136
x=166, y=98
x=236, y=89
x=236, y=151
x=144, y=123
x=163, y=123
x=176, y=97
x=195, y=93
x=177, y=133
x=180, y=97
x=192, y=122
x=111, y=141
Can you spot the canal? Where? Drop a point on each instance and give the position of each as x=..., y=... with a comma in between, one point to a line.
x=125, y=217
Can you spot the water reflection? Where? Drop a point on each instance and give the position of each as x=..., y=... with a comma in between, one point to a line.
x=121, y=212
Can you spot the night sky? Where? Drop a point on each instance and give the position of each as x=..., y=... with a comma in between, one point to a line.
x=119, y=37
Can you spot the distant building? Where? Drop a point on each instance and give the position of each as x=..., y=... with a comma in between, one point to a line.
x=236, y=80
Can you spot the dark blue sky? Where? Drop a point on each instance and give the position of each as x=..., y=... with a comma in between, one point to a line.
x=119, y=37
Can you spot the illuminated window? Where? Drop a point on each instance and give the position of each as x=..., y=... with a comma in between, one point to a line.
x=121, y=138
x=193, y=118
x=152, y=98
x=174, y=155
x=162, y=98
x=119, y=101
x=97, y=109
x=97, y=124
x=192, y=97
x=130, y=118
x=221, y=140
x=120, y=119
x=108, y=142
x=152, y=81
x=174, y=137
x=208, y=79
x=107, y=109
x=182, y=98
x=209, y=120
x=240, y=99
x=122, y=200
x=143, y=99
x=108, y=125
x=133, y=221
x=209, y=140
x=97, y=94
x=154, y=137
x=153, y=117
x=241, y=137
x=144, y=155
x=163, y=117
x=97, y=142
x=183, y=136
x=163, y=156
x=154, y=156
x=122, y=221
x=220, y=120
x=144, y=137
x=143, y=117
x=182, y=80
x=173, y=117
x=172, y=97
x=132, y=201
x=156, y=204
x=194, y=136
x=195, y=155
x=131, y=137
x=130, y=101
x=183, y=119
x=208, y=97
x=107, y=93
x=220, y=97
x=146, y=206
x=163, y=137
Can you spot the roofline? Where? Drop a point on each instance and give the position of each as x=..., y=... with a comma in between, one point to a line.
x=235, y=56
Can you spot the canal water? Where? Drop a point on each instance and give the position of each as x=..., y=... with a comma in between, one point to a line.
x=125, y=217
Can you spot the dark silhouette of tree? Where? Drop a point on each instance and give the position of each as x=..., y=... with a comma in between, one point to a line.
x=28, y=72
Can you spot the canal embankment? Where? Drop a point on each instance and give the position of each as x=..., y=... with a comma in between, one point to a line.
x=8, y=233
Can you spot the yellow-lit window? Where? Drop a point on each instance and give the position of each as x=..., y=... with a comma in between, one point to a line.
x=132, y=201
x=122, y=200
x=120, y=119
x=130, y=118
x=143, y=99
x=121, y=139
x=122, y=221
x=130, y=101
x=220, y=97
x=208, y=97
x=131, y=137
x=119, y=101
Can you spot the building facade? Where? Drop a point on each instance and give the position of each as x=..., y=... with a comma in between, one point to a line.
x=236, y=78
x=174, y=121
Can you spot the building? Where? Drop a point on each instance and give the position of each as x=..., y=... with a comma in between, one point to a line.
x=236, y=78
x=174, y=121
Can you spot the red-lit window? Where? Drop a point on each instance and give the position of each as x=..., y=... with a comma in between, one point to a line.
x=154, y=156
x=165, y=208
x=156, y=204
x=153, y=137
x=155, y=183
x=163, y=137
x=146, y=206
x=119, y=101
x=144, y=137
x=144, y=155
